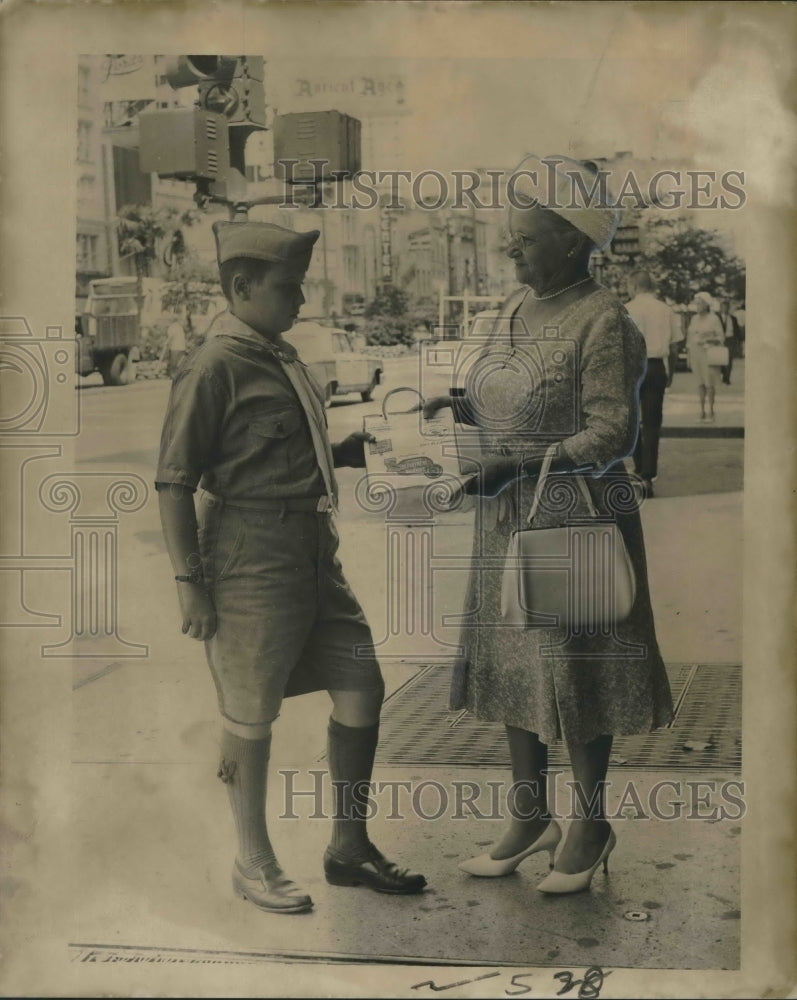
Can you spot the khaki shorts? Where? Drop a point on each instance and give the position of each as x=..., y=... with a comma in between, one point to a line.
x=287, y=620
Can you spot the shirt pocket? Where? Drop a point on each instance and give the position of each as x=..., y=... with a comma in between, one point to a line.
x=275, y=425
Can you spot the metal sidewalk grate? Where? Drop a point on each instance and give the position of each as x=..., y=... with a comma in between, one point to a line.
x=418, y=730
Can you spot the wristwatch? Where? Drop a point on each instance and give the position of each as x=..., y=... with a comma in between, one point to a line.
x=196, y=577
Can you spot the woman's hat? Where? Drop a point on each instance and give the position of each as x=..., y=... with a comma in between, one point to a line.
x=570, y=189
x=704, y=297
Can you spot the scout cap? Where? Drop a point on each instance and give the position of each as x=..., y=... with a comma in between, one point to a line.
x=264, y=241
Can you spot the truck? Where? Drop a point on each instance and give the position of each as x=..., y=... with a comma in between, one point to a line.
x=108, y=332
x=336, y=359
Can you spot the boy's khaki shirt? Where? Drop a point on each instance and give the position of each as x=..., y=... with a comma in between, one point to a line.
x=234, y=424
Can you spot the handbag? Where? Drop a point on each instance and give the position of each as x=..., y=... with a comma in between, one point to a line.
x=717, y=356
x=577, y=576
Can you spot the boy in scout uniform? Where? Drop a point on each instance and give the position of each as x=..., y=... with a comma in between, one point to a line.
x=257, y=576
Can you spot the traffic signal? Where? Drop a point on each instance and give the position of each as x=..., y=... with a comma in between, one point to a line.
x=304, y=137
x=184, y=143
x=189, y=71
x=228, y=85
x=206, y=143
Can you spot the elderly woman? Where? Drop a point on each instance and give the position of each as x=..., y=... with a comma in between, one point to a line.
x=588, y=689
x=705, y=330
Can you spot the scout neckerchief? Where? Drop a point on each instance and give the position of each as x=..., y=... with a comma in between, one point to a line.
x=314, y=410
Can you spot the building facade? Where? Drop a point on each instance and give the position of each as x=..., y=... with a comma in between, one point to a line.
x=95, y=231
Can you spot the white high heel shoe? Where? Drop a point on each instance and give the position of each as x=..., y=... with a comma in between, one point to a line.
x=561, y=883
x=488, y=867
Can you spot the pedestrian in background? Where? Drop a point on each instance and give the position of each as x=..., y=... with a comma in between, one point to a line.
x=258, y=576
x=173, y=345
x=740, y=319
x=661, y=328
x=704, y=331
x=733, y=337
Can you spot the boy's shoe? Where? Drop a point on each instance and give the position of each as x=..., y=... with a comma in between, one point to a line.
x=270, y=889
x=375, y=871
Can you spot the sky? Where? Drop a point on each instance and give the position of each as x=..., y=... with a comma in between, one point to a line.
x=447, y=112
x=463, y=113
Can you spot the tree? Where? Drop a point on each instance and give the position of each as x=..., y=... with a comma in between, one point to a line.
x=684, y=260
x=387, y=322
x=389, y=301
x=193, y=286
x=140, y=228
x=388, y=331
x=423, y=311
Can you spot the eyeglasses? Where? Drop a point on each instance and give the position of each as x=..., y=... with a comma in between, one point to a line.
x=520, y=240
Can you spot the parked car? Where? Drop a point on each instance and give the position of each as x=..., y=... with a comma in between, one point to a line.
x=336, y=359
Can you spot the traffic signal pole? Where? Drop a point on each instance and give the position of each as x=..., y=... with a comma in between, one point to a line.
x=239, y=210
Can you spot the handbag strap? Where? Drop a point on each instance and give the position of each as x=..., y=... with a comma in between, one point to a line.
x=547, y=461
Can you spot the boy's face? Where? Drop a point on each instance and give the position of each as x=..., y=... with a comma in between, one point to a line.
x=273, y=303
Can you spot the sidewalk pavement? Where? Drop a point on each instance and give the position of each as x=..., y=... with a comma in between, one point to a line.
x=682, y=407
x=155, y=840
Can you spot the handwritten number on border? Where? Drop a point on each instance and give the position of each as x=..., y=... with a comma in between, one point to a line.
x=524, y=988
x=589, y=986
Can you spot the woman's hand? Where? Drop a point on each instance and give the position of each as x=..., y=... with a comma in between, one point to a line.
x=496, y=472
x=199, y=615
x=492, y=475
x=433, y=404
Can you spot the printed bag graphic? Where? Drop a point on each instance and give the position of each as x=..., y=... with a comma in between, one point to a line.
x=410, y=452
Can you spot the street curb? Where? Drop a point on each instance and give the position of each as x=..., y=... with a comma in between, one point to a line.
x=702, y=432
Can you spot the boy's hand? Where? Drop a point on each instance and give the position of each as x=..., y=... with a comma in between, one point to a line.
x=351, y=450
x=199, y=615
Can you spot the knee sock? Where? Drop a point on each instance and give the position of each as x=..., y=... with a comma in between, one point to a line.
x=244, y=769
x=351, y=751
